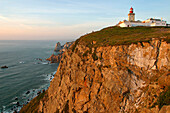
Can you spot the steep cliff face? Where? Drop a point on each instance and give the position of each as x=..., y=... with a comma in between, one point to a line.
x=111, y=79
x=121, y=78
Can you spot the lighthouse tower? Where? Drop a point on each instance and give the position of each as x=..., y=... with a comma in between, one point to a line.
x=131, y=15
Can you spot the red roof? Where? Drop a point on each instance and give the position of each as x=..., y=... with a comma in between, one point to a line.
x=131, y=10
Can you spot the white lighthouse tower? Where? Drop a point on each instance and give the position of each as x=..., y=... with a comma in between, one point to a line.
x=131, y=15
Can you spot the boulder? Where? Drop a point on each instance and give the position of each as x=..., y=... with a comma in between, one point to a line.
x=27, y=92
x=165, y=109
x=3, y=67
x=16, y=98
x=164, y=80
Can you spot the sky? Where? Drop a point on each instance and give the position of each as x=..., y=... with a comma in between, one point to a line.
x=69, y=19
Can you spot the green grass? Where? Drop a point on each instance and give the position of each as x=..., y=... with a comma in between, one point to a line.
x=122, y=36
x=164, y=98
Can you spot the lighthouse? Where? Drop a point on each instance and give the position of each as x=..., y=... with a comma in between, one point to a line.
x=149, y=22
x=131, y=15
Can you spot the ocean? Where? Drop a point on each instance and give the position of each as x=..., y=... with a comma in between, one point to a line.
x=27, y=74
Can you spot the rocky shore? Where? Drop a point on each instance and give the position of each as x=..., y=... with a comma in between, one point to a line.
x=118, y=77
x=59, y=50
x=29, y=95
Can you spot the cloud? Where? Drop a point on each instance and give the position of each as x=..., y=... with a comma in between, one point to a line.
x=52, y=32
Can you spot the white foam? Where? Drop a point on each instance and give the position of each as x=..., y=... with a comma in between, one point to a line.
x=21, y=62
x=45, y=63
x=14, y=102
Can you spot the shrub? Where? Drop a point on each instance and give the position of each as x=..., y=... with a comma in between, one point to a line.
x=164, y=98
x=74, y=46
x=95, y=57
x=85, y=54
x=99, y=67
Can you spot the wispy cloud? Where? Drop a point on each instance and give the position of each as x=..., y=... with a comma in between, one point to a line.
x=69, y=18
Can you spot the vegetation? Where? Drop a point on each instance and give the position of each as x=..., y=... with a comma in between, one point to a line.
x=95, y=57
x=74, y=45
x=86, y=53
x=66, y=108
x=99, y=67
x=121, y=36
x=164, y=98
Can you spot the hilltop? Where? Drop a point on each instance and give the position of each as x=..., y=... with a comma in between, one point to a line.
x=121, y=36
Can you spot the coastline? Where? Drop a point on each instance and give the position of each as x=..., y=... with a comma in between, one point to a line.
x=110, y=76
x=28, y=70
x=28, y=95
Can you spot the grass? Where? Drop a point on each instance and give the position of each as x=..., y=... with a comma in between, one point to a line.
x=122, y=36
x=164, y=98
x=95, y=57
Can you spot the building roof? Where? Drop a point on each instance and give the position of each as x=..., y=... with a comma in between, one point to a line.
x=132, y=21
x=154, y=19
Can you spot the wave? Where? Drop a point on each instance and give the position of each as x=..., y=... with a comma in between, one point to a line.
x=28, y=95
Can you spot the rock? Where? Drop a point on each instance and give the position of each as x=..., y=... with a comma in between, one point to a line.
x=93, y=42
x=165, y=109
x=3, y=67
x=122, y=79
x=39, y=92
x=57, y=47
x=16, y=98
x=67, y=45
x=56, y=58
x=18, y=104
x=164, y=80
x=39, y=59
x=27, y=92
x=43, y=90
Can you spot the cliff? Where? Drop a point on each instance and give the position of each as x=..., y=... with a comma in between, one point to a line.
x=54, y=58
x=58, y=47
x=60, y=50
x=125, y=74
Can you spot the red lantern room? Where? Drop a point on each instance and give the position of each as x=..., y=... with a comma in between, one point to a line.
x=131, y=10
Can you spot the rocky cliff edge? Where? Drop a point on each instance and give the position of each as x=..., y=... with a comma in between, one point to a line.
x=109, y=79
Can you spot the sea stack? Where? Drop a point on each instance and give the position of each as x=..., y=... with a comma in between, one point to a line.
x=57, y=47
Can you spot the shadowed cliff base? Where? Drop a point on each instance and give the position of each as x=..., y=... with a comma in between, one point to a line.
x=110, y=71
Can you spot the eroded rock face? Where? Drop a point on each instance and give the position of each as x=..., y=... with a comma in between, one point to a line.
x=110, y=79
x=60, y=50
x=57, y=47
x=54, y=58
x=165, y=109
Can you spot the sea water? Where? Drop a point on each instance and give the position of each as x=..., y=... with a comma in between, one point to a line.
x=28, y=72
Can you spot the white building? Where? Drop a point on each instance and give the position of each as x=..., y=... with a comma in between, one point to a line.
x=149, y=22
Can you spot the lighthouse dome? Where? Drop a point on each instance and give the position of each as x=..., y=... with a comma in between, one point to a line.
x=131, y=10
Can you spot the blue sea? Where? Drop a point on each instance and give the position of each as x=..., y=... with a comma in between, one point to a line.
x=27, y=74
